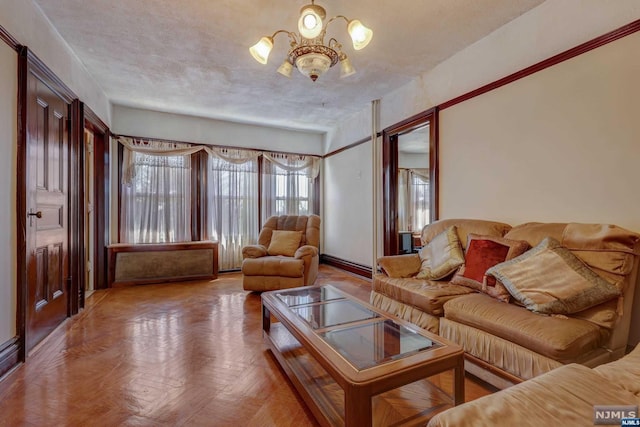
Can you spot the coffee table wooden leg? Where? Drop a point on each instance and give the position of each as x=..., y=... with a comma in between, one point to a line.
x=458, y=387
x=266, y=319
x=357, y=407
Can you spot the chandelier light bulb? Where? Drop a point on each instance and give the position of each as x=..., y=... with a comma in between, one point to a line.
x=310, y=22
x=346, y=69
x=286, y=68
x=261, y=50
x=360, y=35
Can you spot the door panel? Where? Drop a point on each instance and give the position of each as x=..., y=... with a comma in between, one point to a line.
x=47, y=209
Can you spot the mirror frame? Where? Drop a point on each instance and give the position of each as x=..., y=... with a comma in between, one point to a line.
x=390, y=173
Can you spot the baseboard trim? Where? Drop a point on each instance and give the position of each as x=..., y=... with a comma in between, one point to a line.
x=9, y=356
x=351, y=267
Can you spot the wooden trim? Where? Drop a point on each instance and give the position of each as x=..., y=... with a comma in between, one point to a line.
x=76, y=208
x=350, y=266
x=434, y=166
x=390, y=173
x=93, y=122
x=9, y=39
x=43, y=73
x=9, y=356
x=549, y=62
x=119, y=173
x=260, y=170
x=390, y=193
x=347, y=147
x=114, y=250
x=101, y=193
x=21, y=206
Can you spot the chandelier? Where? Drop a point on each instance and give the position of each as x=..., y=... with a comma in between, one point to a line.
x=308, y=52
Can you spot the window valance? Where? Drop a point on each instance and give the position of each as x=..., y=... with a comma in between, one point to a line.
x=310, y=165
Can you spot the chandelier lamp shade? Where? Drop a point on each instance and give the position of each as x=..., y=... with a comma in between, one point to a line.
x=307, y=49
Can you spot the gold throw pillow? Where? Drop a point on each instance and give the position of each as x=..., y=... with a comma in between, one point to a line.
x=284, y=242
x=442, y=256
x=549, y=279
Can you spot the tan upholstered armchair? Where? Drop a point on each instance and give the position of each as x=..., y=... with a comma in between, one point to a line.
x=286, y=256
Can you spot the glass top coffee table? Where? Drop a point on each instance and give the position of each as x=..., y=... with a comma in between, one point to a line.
x=344, y=355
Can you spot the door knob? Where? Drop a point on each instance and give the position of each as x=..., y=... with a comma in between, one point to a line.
x=36, y=214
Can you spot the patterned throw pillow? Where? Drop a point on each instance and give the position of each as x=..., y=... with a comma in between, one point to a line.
x=549, y=279
x=442, y=256
x=483, y=252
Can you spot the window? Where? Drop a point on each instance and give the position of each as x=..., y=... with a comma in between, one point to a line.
x=156, y=197
x=286, y=193
x=232, y=207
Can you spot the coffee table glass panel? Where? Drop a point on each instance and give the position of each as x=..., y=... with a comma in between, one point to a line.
x=372, y=344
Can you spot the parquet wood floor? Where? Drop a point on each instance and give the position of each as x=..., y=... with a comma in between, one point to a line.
x=185, y=354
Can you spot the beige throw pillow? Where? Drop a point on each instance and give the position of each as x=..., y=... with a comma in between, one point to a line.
x=549, y=279
x=284, y=242
x=442, y=256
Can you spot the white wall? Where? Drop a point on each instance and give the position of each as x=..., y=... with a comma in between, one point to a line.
x=347, y=208
x=155, y=124
x=8, y=147
x=24, y=20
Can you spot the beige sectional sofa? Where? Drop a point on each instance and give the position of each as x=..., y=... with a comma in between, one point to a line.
x=504, y=342
x=565, y=396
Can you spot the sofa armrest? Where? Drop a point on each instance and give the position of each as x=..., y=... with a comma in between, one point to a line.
x=254, y=251
x=306, y=251
x=400, y=265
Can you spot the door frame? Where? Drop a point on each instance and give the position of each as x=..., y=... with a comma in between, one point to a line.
x=390, y=173
x=101, y=191
x=29, y=63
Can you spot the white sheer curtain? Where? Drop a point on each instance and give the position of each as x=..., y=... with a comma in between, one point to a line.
x=420, y=198
x=232, y=202
x=287, y=184
x=413, y=199
x=404, y=201
x=156, y=192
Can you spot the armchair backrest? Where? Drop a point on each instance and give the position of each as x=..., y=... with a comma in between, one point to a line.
x=309, y=225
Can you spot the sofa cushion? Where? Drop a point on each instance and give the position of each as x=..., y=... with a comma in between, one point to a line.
x=284, y=242
x=483, y=252
x=564, y=396
x=559, y=338
x=624, y=372
x=442, y=256
x=407, y=265
x=273, y=266
x=464, y=227
x=426, y=295
x=550, y=279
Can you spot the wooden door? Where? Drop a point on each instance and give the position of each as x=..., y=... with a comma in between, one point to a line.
x=47, y=205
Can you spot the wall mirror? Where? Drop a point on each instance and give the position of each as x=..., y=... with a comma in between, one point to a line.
x=410, y=181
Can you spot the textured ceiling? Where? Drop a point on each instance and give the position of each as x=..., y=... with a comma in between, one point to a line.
x=191, y=56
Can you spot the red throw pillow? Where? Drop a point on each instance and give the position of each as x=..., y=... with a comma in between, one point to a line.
x=483, y=252
x=481, y=256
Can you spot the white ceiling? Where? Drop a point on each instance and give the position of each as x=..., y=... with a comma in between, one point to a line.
x=191, y=56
